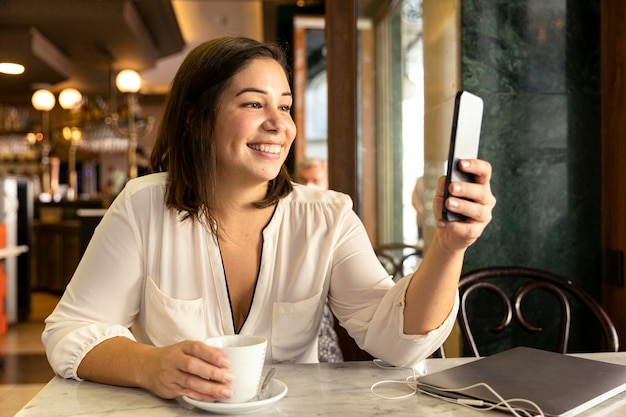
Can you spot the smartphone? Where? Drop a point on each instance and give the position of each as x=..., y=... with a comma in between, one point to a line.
x=464, y=139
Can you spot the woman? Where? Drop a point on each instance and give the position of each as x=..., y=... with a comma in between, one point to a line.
x=220, y=241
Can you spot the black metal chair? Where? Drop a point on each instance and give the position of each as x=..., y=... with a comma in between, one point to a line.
x=537, y=303
x=399, y=259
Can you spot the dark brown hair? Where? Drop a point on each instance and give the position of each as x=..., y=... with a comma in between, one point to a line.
x=185, y=146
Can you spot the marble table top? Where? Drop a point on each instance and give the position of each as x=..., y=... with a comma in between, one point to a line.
x=337, y=389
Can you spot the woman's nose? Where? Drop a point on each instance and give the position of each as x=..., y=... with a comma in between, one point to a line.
x=276, y=121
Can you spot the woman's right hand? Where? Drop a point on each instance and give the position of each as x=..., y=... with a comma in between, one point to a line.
x=189, y=368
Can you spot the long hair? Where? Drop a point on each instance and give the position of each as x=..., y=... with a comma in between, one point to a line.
x=185, y=144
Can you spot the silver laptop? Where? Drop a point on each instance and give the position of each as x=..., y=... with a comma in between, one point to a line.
x=560, y=385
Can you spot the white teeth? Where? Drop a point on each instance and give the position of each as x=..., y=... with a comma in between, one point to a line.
x=266, y=148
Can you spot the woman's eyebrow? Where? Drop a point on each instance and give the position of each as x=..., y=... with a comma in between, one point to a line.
x=258, y=90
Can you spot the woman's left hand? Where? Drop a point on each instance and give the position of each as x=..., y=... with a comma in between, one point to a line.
x=473, y=200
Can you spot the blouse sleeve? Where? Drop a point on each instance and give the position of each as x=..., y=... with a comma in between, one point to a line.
x=103, y=296
x=370, y=305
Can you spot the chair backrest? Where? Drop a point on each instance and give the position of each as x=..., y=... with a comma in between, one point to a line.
x=525, y=295
x=399, y=259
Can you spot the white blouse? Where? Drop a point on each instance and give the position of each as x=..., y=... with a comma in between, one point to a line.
x=152, y=277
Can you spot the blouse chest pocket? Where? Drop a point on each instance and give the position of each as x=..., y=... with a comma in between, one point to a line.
x=295, y=326
x=170, y=320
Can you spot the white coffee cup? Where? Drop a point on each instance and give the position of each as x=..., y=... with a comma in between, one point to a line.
x=247, y=357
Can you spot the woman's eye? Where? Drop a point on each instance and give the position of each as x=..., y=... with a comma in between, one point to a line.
x=254, y=105
x=285, y=108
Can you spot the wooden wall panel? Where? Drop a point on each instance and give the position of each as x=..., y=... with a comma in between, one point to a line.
x=299, y=86
x=614, y=152
x=341, y=67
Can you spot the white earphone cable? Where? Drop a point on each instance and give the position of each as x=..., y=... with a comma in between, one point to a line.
x=476, y=404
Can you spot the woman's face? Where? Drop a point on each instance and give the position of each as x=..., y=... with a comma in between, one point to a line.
x=253, y=128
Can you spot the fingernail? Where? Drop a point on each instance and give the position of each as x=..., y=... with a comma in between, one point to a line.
x=228, y=376
x=465, y=164
x=456, y=188
x=453, y=203
x=227, y=392
x=223, y=362
x=441, y=224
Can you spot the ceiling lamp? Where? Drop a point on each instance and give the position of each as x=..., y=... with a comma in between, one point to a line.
x=128, y=81
x=43, y=100
x=70, y=98
x=11, y=68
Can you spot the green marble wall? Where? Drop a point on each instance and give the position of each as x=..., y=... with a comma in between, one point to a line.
x=536, y=63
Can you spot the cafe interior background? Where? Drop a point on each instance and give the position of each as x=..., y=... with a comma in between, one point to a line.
x=374, y=83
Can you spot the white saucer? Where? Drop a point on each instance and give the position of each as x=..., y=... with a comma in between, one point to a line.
x=277, y=390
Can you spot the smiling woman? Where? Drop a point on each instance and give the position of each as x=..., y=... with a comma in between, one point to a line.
x=219, y=241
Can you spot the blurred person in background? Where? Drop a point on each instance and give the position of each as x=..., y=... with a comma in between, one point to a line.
x=312, y=172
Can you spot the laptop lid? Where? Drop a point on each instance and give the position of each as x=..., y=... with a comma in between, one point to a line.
x=561, y=385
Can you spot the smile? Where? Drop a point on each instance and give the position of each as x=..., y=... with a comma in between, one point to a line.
x=266, y=148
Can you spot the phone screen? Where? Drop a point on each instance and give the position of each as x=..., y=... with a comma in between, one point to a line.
x=464, y=140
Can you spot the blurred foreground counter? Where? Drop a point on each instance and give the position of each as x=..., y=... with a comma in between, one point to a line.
x=61, y=232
